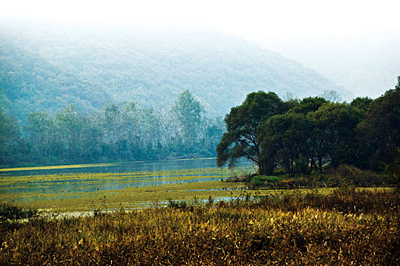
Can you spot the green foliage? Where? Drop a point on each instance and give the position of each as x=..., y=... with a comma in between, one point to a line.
x=117, y=132
x=362, y=104
x=285, y=137
x=264, y=181
x=12, y=146
x=334, y=126
x=381, y=127
x=302, y=136
x=307, y=105
x=243, y=128
x=313, y=133
x=189, y=113
x=301, y=165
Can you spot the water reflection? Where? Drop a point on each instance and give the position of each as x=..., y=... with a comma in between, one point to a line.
x=128, y=167
x=121, y=176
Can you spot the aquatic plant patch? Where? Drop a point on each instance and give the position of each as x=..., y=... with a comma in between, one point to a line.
x=83, y=191
x=70, y=166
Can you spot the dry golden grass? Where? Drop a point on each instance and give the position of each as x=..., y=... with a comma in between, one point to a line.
x=288, y=228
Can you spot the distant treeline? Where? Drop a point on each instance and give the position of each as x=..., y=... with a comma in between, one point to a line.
x=117, y=132
x=296, y=136
x=301, y=136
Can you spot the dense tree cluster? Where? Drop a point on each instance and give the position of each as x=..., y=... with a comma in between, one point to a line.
x=117, y=132
x=301, y=136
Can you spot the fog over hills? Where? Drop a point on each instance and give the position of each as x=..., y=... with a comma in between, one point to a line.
x=365, y=64
x=45, y=67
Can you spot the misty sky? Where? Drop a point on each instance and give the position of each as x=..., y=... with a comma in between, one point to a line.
x=251, y=19
x=272, y=24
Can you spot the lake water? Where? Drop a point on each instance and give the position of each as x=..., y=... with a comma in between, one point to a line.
x=127, y=167
x=30, y=185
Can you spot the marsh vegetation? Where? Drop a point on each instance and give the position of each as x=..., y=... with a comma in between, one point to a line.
x=191, y=216
x=105, y=186
x=342, y=227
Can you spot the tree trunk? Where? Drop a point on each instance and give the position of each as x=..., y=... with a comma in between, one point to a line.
x=320, y=164
x=265, y=168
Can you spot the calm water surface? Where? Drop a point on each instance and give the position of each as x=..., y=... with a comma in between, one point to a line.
x=128, y=167
x=157, y=173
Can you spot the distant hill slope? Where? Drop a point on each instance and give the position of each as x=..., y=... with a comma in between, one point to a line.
x=29, y=83
x=46, y=67
x=365, y=64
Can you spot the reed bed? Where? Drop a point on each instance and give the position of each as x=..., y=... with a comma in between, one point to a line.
x=346, y=227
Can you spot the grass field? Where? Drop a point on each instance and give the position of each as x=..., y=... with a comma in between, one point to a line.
x=344, y=227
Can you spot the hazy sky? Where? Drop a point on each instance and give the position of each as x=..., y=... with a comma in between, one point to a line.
x=251, y=19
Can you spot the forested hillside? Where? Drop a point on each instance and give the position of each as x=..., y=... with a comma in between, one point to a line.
x=45, y=68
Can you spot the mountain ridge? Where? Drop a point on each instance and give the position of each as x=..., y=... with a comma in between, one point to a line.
x=47, y=67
